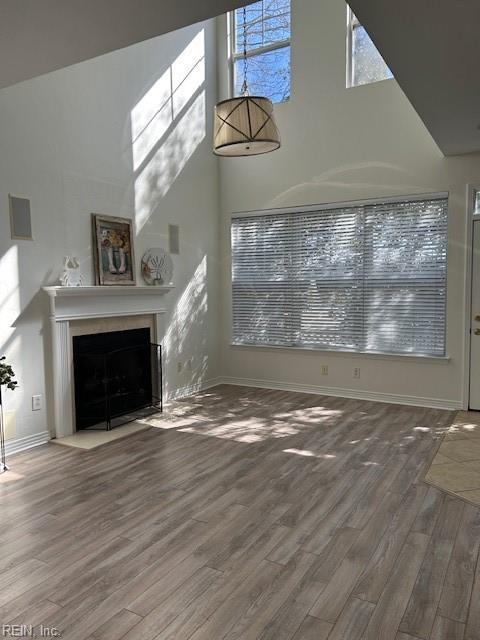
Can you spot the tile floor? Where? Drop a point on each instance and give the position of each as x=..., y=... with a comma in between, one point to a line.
x=172, y=417
x=86, y=439
x=456, y=466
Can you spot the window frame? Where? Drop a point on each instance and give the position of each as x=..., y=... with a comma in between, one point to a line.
x=476, y=201
x=352, y=23
x=421, y=357
x=234, y=56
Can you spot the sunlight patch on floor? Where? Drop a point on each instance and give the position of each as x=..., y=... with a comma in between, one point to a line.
x=10, y=476
x=310, y=454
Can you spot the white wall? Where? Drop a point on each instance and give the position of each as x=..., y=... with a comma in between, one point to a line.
x=66, y=143
x=341, y=144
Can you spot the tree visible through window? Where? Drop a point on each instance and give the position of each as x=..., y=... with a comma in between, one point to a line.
x=367, y=277
x=267, y=28
x=364, y=63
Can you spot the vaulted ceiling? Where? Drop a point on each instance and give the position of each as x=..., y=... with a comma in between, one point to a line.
x=433, y=50
x=432, y=46
x=38, y=36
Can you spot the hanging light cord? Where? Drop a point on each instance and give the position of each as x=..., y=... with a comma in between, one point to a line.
x=244, y=89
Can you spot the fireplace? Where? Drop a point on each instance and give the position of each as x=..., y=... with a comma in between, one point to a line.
x=76, y=311
x=117, y=378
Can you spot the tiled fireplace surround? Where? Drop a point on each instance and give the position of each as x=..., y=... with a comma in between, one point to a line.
x=84, y=310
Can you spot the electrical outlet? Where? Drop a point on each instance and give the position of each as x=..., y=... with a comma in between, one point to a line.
x=36, y=403
x=356, y=372
x=179, y=366
x=324, y=369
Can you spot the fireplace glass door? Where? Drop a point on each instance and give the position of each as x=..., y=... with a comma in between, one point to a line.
x=118, y=378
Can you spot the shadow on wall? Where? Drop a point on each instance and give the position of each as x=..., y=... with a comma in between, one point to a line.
x=20, y=310
x=9, y=295
x=11, y=343
x=188, y=326
x=166, y=127
x=168, y=124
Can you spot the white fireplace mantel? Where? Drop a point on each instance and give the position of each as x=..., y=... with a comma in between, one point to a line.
x=68, y=304
x=75, y=303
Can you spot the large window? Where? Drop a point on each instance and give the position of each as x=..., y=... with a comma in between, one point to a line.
x=267, y=28
x=367, y=277
x=364, y=63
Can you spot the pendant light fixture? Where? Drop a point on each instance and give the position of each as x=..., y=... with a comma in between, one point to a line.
x=244, y=126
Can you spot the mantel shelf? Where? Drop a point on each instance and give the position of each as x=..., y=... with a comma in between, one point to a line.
x=75, y=303
x=107, y=291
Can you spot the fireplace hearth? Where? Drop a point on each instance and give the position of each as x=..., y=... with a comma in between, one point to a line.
x=117, y=378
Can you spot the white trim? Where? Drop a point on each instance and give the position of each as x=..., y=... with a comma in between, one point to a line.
x=471, y=217
x=107, y=290
x=81, y=303
x=193, y=388
x=359, y=394
x=437, y=195
x=230, y=53
x=349, y=48
x=113, y=314
x=77, y=303
x=62, y=378
x=21, y=444
x=251, y=53
x=405, y=357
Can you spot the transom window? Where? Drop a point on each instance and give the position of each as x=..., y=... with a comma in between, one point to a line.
x=267, y=28
x=364, y=63
x=367, y=277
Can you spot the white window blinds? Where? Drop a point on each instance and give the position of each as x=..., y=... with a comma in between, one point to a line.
x=365, y=277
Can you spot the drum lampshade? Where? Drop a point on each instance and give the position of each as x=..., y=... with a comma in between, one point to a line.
x=244, y=126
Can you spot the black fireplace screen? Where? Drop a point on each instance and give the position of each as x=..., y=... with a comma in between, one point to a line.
x=118, y=378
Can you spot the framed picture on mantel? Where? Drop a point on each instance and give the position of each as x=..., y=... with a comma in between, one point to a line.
x=114, y=260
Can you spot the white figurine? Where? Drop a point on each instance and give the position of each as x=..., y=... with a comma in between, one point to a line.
x=71, y=276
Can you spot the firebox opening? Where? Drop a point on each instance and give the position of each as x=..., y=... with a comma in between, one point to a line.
x=117, y=378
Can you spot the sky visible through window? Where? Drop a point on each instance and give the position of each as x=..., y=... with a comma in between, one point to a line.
x=367, y=65
x=267, y=28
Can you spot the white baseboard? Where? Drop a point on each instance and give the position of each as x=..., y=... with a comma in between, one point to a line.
x=358, y=394
x=20, y=444
x=193, y=388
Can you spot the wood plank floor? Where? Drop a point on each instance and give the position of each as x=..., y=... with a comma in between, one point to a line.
x=248, y=514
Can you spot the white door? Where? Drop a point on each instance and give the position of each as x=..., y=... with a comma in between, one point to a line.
x=475, y=322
